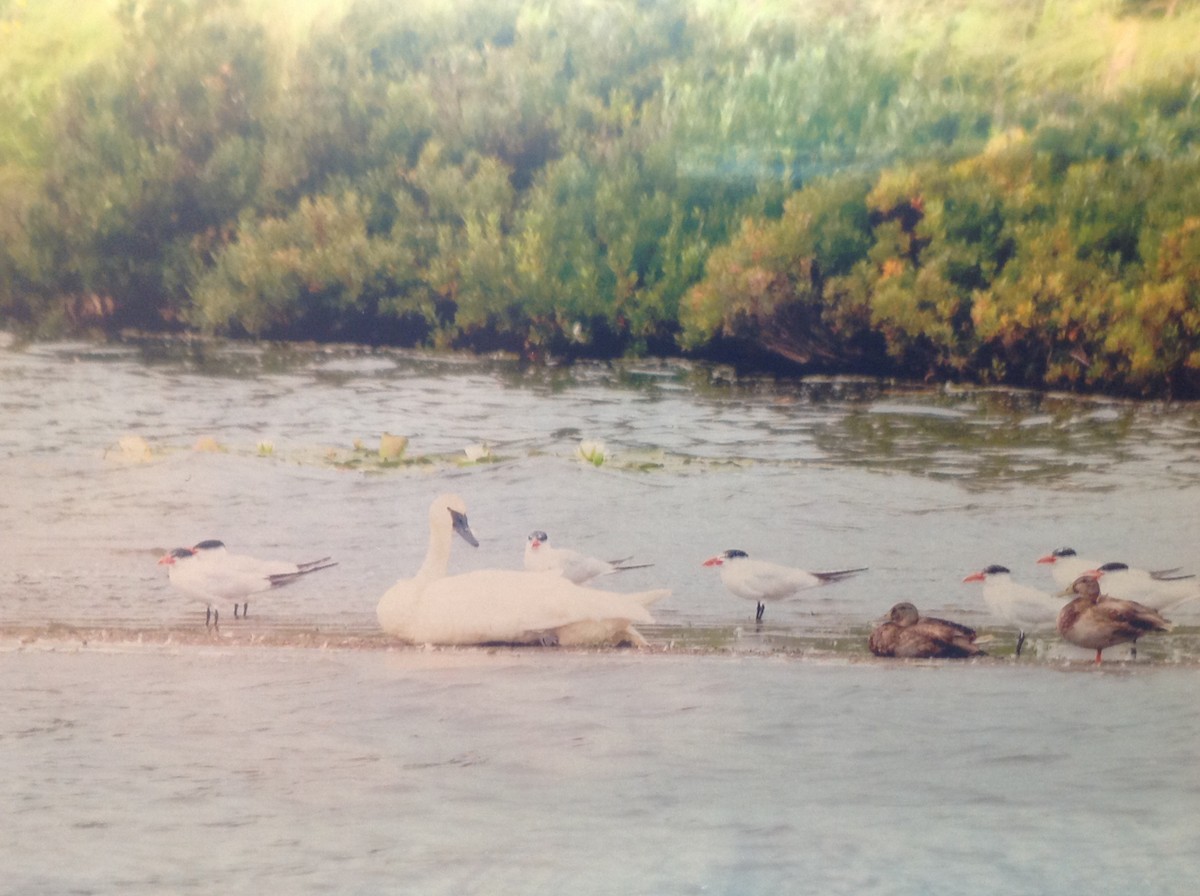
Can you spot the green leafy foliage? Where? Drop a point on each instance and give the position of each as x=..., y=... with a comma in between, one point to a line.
x=154, y=152
x=1154, y=336
x=994, y=191
x=318, y=268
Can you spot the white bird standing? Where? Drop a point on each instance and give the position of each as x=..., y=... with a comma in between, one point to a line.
x=1066, y=566
x=760, y=581
x=1151, y=589
x=180, y=563
x=579, y=568
x=210, y=574
x=1020, y=605
x=1168, y=584
x=502, y=606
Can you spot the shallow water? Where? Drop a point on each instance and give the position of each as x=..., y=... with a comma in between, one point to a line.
x=208, y=770
x=298, y=749
x=922, y=486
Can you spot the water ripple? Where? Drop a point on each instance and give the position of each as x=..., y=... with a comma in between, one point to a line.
x=113, y=454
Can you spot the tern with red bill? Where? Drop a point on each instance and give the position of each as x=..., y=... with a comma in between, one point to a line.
x=1152, y=589
x=578, y=568
x=1019, y=605
x=1140, y=584
x=763, y=582
x=208, y=573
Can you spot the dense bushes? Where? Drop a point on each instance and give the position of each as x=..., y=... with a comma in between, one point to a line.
x=1000, y=267
x=831, y=186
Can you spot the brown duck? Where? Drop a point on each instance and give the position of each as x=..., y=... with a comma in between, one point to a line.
x=1096, y=621
x=906, y=634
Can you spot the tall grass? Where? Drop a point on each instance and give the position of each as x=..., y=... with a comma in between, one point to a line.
x=45, y=42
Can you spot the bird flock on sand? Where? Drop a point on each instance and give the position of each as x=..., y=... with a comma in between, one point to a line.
x=551, y=600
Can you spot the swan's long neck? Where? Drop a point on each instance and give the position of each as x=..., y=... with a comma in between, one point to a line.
x=437, y=558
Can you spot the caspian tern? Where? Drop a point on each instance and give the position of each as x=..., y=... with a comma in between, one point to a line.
x=1066, y=566
x=183, y=559
x=579, y=568
x=760, y=581
x=1147, y=588
x=1027, y=608
x=208, y=572
x=505, y=606
x=905, y=633
x=1095, y=622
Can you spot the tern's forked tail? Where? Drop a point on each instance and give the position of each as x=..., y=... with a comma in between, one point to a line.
x=314, y=565
x=286, y=578
x=838, y=574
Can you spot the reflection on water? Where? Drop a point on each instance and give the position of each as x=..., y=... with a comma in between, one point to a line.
x=298, y=750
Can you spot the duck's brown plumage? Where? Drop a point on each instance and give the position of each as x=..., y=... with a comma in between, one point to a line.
x=909, y=635
x=1095, y=621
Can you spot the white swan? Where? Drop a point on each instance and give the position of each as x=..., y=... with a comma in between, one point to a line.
x=502, y=605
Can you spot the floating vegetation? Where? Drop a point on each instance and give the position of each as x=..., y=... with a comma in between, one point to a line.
x=480, y=453
x=392, y=447
x=393, y=455
x=132, y=449
x=593, y=452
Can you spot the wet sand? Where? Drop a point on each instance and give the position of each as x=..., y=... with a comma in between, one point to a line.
x=1181, y=648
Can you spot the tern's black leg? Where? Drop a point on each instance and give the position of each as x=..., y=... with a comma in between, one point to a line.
x=1020, y=642
x=759, y=614
x=245, y=609
x=207, y=616
x=235, y=606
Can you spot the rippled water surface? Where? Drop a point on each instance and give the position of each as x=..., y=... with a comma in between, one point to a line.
x=298, y=749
